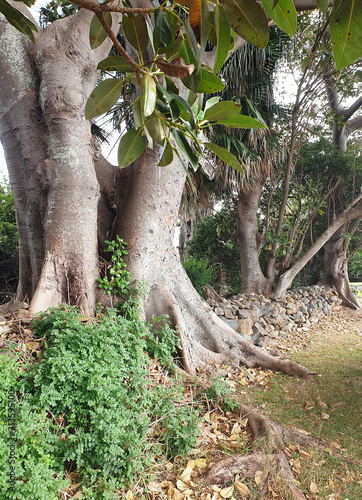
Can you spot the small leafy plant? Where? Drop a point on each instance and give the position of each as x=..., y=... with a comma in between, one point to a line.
x=117, y=283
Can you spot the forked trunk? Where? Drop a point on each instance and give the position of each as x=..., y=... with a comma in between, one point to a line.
x=47, y=146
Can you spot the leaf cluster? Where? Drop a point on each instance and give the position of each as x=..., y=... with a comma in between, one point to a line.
x=87, y=405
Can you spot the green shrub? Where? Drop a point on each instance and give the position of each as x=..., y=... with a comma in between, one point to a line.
x=38, y=469
x=200, y=273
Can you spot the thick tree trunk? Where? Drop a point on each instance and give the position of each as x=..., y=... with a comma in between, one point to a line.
x=61, y=213
x=148, y=224
x=249, y=241
x=335, y=251
x=47, y=144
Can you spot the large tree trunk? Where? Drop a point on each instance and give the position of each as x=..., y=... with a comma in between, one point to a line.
x=249, y=241
x=147, y=224
x=64, y=204
x=47, y=144
x=335, y=251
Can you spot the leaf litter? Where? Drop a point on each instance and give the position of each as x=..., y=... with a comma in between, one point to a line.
x=222, y=433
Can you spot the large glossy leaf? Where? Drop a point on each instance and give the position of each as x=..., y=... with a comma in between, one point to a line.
x=97, y=35
x=115, y=63
x=248, y=20
x=149, y=94
x=162, y=29
x=209, y=83
x=323, y=5
x=18, y=20
x=241, y=121
x=346, y=32
x=184, y=145
x=131, y=146
x=155, y=128
x=167, y=155
x=222, y=30
x=204, y=27
x=224, y=155
x=223, y=110
x=183, y=106
x=283, y=14
x=103, y=97
x=135, y=30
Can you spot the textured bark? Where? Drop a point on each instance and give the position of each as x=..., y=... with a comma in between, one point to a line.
x=147, y=223
x=47, y=145
x=249, y=241
x=286, y=279
x=335, y=251
x=69, y=200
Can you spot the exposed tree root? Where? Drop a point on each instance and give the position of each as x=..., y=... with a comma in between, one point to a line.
x=269, y=439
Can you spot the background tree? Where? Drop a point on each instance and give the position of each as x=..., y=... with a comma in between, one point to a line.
x=8, y=243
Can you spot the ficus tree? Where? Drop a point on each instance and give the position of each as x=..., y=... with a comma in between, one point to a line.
x=69, y=199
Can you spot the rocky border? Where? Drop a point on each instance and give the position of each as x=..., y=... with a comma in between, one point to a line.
x=263, y=320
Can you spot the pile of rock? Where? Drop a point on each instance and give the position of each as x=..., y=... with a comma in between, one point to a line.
x=262, y=320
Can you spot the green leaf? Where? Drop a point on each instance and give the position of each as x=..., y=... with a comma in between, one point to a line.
x=323, y=5
x=103, y=97
x=28, y=3
x=131, y=146
x=18, y=20
x=241, y=121
x=204, y=27
x=184, y=145
x=135, y=30
x=222, y=37
x=138, y=117
x=97, y=35
x=115, y=63
x=162, y=28
x=149, y=94
x=283, y=14
x=224, y=155
x=222, y=110
x=183, y=106
x=209, y=83
x=346, y=32
x=154, y=127
x=210, y=102
x=248, y=20
x=167, y=155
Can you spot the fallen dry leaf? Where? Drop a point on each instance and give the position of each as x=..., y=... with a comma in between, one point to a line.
x=154, y=487
x=182, y=486
x=313, y=488
x=258, y=478
x=186, y=474
x=227, y=492
x=242, y=488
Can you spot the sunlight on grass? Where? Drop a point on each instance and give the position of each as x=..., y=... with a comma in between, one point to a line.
x=329, y=408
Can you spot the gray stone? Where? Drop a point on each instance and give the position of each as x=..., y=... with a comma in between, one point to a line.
x=4, y=329
x=266, y=311
x=230, y=322
x=219, y=311
x=243, y=314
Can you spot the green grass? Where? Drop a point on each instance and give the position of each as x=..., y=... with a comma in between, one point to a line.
x=329, y=408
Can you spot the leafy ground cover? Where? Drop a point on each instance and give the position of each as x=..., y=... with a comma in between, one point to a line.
x=189, y=424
